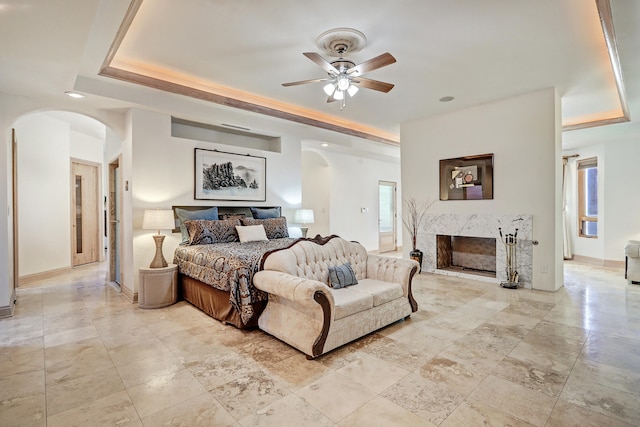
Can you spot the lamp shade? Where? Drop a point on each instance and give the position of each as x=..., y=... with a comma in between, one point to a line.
x=158, y=219
x=303, y=216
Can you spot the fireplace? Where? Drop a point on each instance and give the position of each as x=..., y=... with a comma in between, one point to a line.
x=472, y=255
x=478, y=225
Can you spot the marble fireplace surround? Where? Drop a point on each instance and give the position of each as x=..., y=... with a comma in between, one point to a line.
x=481, y=225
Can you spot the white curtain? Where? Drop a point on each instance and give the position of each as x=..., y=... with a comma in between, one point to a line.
x=568, y=250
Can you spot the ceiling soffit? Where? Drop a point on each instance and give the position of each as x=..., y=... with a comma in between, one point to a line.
x=175, y=82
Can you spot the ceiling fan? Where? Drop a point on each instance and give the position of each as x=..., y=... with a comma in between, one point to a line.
x=344, y=76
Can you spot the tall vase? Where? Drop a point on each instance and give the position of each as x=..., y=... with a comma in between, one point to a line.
x=416, y=254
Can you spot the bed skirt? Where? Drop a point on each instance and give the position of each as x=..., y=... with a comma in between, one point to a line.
x=215, y=302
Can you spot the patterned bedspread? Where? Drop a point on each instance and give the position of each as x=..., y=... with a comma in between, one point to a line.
x=229, y=267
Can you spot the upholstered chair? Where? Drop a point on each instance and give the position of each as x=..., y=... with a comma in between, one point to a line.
x=632, y=261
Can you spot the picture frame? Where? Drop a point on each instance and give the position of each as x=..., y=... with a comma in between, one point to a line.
x=219, y=175
x=467, y=178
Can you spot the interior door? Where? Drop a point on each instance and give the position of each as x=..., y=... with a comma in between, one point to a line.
x=14, y=168
x=85, y=222
x=387, y=216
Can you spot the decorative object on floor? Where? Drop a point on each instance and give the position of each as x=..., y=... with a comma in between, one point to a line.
x=510, y=241
x=632, y=261
x=304, y=217
x=344, y=76
x=467, y=178
x=228, y=176
x=158, y=219
x=413, y=217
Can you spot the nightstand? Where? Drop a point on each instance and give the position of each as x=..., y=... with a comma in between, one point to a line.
x=158, y=286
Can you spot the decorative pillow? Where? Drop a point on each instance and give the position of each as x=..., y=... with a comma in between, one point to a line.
x=275, y=228
x=185, y=215
x=251, y=233
x=262, y=213
x=341, y=276
x=204, y=231
x=232, y=216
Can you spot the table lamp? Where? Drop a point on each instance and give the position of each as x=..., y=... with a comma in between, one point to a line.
x=158, y=219
x=303, y=216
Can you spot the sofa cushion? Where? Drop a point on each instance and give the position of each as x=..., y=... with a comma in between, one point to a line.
x=341, y=276
x=381, y=292
x=348, y=302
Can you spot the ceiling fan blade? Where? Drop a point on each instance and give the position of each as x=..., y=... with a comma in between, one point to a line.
x=331, y=99
x=372, y=84
x=304, y=82
x=321, y=62
x=372, y=64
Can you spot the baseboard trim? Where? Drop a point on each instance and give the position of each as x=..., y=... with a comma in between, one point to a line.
x=599, y=262
x=30, y=278
x=131, y=296
x=7, y=310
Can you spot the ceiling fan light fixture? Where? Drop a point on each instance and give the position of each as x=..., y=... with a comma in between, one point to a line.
x=352, y=90
x=339, y=95
x=343, y=83
x=329, y=88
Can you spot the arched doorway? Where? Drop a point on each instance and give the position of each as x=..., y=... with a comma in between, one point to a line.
x=60, y=193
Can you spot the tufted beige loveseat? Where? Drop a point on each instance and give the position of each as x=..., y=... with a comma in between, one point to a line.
x=306, y=313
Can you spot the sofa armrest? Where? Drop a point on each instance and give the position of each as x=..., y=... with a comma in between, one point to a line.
x=394, y=270
x=293, y=288
x=311, y=295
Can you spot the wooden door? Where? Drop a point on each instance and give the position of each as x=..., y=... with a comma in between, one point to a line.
x=85, y=208
x=387, y=216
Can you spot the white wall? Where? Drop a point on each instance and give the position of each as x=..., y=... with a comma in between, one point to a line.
x=353, y=186
x=316, y=192
x=44, y=194
x=45, y=146
x=618, y=201
x=161, y=174
x=523, y=134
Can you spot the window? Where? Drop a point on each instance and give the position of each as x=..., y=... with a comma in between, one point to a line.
x=588, y=198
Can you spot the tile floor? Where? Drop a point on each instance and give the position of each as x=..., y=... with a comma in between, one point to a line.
x=77, y=354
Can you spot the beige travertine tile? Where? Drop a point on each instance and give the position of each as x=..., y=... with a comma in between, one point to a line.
x=519, y=345
x=373, y=373
x=146, y=370
x=74, y=360
x=381, y=412
x=22, y=399
x=163, y=392
x=70, y=336
x=519, y=401
x=479, y=414
x=202, y=410
x=291, y=410
x=533, y=376
x=248, y=393
x=24, y=411
x=335, y=395
x=566, y=414
x=586, y=372
x=12, y=363
x=433, y=401
x=616, y=405
x=296, y=371
x=115, y=409
x=132, y=352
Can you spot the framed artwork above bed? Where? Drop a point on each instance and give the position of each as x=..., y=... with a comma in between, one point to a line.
x=228, y=176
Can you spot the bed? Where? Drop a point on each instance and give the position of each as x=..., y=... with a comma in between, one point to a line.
x=215, y=270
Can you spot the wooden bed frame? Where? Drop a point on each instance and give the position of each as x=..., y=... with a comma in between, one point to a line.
x=213, y=301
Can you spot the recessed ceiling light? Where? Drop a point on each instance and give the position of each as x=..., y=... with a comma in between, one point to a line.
x=74, y=94
x=324, y=144
x=447, y=99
